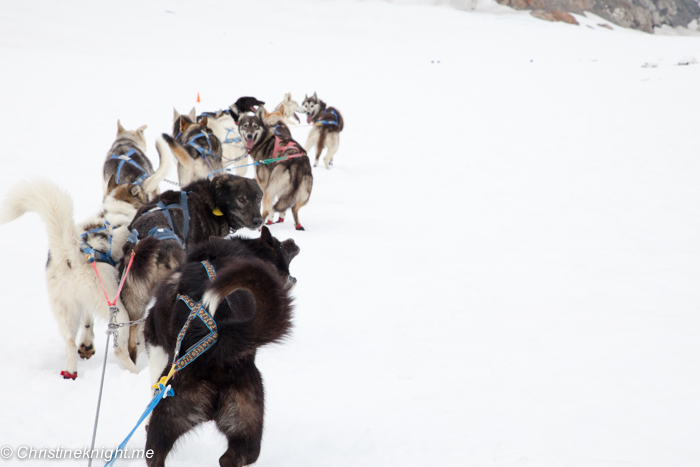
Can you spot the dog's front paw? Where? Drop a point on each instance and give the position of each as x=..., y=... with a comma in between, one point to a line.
x=68, y=375
x=86, y=351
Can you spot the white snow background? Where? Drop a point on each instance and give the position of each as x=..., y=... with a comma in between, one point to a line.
x=501, y=269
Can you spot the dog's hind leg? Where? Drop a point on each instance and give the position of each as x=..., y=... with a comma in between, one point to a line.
x=333, y=140
x=240, y=419
x=302, y=197
x=140, y=339
x=295, y=213
x=158, y=360
x=267, y=211
x=320, y=145
x=68, y=325
x=87, y=347
x=175, y=416
x=312, y=142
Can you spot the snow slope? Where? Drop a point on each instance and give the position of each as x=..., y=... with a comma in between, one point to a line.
x=501, y=269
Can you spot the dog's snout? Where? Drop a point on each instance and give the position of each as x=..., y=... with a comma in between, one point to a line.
x=257, y=222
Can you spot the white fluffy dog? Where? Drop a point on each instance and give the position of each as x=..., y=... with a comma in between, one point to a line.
x=73, y=287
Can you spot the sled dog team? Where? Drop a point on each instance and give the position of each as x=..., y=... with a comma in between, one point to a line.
x=215, y=298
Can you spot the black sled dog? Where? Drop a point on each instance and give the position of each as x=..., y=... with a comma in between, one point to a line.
x=244, y=287
x=177, y=219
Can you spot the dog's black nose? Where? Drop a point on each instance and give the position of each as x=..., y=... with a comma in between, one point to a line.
x=257, y=222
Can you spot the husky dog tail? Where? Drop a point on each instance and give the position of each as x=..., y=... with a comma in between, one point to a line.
x=321, y=143
x=272, y=317
x=179, y=153
x=150, y=185
x=55, y=207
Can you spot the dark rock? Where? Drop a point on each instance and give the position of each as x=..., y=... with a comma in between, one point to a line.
x=637, y=14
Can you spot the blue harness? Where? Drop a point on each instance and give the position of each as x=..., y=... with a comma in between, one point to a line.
x=275, y=129
x=228, y=137
x=93, y=255
x=328, y=122
x=127, y=158
x=167, y=234
x=202, y=152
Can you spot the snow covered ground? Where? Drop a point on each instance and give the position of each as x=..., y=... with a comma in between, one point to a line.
x=501, y=269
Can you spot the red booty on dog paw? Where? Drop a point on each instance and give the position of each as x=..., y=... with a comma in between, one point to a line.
x=269, y=222
x=299, y=227
x=67, y=375
x=280, y=220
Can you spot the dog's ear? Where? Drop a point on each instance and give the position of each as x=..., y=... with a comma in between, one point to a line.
x=139, y=132
x=184, y=123
x=315, y=97
x=120, y=128
x=111, y=184
x=204, y=120
x=138, y=193
x=192, y=114
x=235, y=113
x=265, y=235
x=261, y=113
x=219, y=113
x=288, y=97
x=176, y=114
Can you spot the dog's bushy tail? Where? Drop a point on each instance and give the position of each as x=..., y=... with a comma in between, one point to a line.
x=272, y=320
x=179, y=152
x=144, y=253
x=150, y=185
x=54, y=206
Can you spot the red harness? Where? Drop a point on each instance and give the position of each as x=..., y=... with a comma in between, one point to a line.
x=280, y=149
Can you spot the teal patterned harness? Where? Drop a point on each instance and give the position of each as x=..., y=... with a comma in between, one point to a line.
x=197, y=310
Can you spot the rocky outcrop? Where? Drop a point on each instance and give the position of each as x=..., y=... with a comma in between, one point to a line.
x=554, y=16
x=637, y=14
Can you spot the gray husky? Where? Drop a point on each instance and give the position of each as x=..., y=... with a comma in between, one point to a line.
x=127, y=163
x=328, y=123
x=196, y=148
x=289, y=179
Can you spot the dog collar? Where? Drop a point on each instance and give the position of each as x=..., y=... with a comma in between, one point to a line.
x=217, y=212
